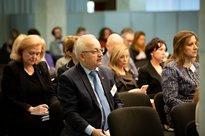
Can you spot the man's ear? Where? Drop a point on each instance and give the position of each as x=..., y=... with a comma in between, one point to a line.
x=82, y=56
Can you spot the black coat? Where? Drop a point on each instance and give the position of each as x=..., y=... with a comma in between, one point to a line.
x=15, y=90
x=149, y=76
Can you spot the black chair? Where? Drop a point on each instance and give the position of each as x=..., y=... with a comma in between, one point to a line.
x=135, y=121
x=191, y=129
x=181, y=115
x=159, y=105
x=134, y=99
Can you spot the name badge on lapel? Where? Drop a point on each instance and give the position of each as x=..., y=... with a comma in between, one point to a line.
x=113, y=90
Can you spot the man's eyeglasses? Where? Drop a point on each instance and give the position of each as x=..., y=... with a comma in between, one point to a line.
x=95, y=51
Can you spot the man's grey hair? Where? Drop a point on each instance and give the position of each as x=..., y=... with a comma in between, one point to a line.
x=81, y=44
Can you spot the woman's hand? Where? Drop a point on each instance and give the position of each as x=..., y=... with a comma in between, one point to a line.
x=137, y=90
x=40, y=109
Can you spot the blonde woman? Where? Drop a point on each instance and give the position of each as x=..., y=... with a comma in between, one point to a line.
x=124, y=77
x=26, y=89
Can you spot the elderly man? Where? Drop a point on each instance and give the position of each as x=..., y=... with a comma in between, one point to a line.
x=112, y=41
x=87, y=91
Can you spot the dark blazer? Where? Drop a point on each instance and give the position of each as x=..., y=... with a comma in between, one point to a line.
x=65, y=67
x=14, y=85
x=149, y=76
x=79, y=102
x=126, y=82
x=15, y=92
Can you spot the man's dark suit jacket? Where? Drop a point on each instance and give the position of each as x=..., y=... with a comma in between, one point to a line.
x=79, y=102
x=149, y=76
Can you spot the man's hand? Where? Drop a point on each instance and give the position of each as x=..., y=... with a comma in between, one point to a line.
x=98, y=132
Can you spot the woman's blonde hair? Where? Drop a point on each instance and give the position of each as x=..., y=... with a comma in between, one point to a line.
x=179, y=41
x=68, y=44
x=16, y=45
x=117, y=52
x=28, y=42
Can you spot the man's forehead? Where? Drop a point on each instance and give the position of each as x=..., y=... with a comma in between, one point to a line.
x=93, y=44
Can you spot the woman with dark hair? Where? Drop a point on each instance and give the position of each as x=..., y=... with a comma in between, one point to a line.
x=150, y=73
x=180, y=76
x=104, y=33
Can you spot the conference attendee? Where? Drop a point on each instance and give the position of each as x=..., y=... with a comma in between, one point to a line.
x=104, y=33
x=27, y=90
x=81, y=31
x=6, y=47
x=150, y=73
x=180, y=76
x=124, y=76
x=137, y=49
x=69, y=43
x=33, y=31
x=127, y=35
x=87, y=91
x=112, y=41
x=56, y=46
x=47, y=58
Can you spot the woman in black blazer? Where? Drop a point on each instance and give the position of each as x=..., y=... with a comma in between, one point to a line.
x=150, y=74
x=27, y=89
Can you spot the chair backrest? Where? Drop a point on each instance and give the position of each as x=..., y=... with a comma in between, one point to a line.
x=181, y=115
x=159, y=105
x=135, y=121
x=134, y=99
x=191, y=129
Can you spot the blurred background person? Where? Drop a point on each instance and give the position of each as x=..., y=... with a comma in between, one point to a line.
x=180, y=76
x=104, y=33
x=81, y=31
x=69, y=59
x=56, y=46
x=150, y=73
x=27, y=90
x=127, y=35
x=137, y=49
x=6, y=48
